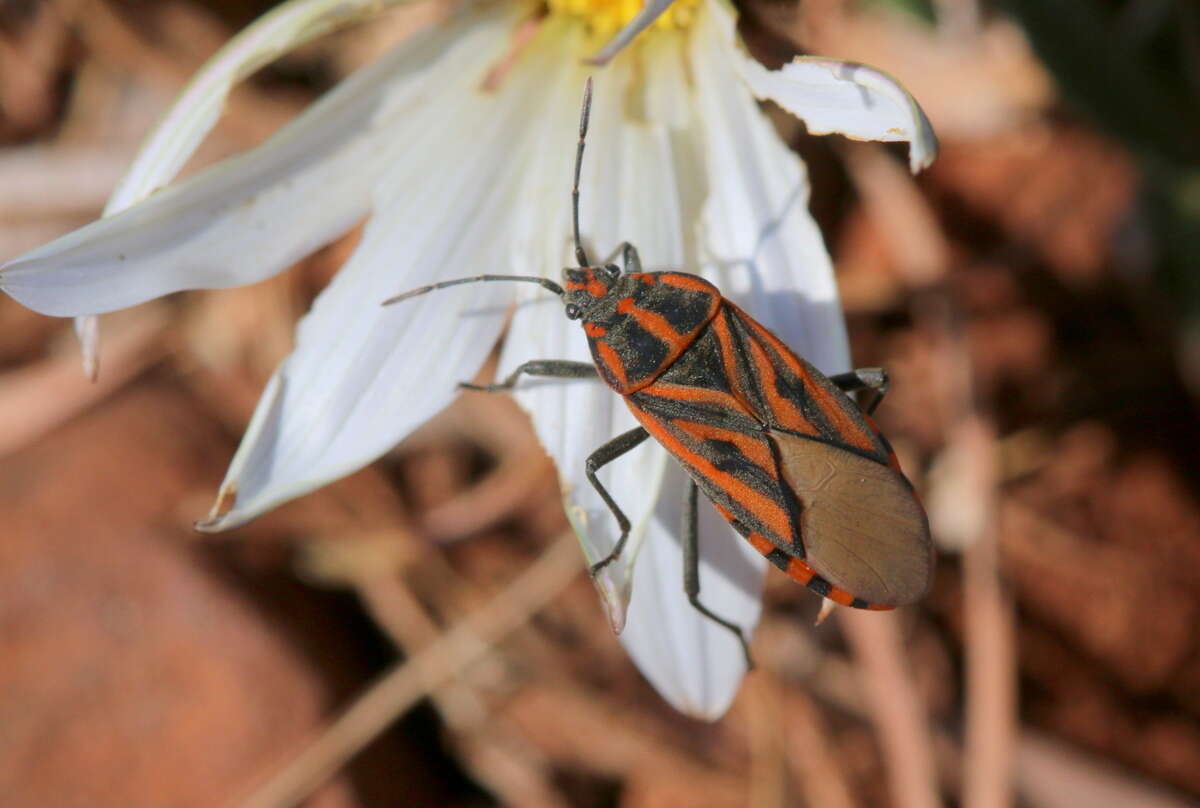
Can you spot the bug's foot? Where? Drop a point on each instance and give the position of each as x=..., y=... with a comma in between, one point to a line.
x=746, y=651
x=599, y=566
x=484, y=388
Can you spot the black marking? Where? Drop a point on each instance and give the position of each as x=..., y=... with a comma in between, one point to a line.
x=667, y=409
x=641, y=352
x=748, y=381
x=780, y=559
x=820, y=585
x=685, y=311
x=859, y=603
x=700, y=365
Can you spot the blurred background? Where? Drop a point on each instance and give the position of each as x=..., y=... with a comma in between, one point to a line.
x=1035, y=296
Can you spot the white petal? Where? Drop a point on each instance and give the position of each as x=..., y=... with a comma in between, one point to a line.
x=249, y=217
x=833, y=96
x=694, y=663
x=641, y=182
x=198, y=107
x=764, y=250
x=362, y=376
x=573, y=419
x=87, y=331
x=650, y=12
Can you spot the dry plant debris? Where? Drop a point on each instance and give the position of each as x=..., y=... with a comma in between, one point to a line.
x=1037, y=399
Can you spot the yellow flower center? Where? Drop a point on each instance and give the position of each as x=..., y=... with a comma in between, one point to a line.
x=604, y=18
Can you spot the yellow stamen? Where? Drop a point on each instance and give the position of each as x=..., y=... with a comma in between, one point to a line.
x=604, y=18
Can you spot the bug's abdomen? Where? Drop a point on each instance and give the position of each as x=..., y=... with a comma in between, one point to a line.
x=791, y=463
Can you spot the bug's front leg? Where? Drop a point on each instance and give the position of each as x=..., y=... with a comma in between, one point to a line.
x=552, y=368
x=873, y=379
x=691, y=570
x=607, y=453
x=630, y=260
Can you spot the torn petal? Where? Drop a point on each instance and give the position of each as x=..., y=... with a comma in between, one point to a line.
x=835, y=97
x=847, y=98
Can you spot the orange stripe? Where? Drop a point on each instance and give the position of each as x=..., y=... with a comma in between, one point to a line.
x=784, y=409
x=594, y=330
x=754, y=449
x=800, y=572
x=657, y=325
x=612, y=363
x=765, y=509
x=759, y=542
x=688, y=282
x=832, y=408
x=725, y=340
x=696, y=395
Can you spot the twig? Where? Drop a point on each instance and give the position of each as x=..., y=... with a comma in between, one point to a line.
x=814, y=763
x=39, y=397
x=991, y=709
x=411, y=680
x=493, y=750
x=768, y=756
x=896, y=707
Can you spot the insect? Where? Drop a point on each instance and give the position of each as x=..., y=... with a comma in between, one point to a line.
x=782, y=451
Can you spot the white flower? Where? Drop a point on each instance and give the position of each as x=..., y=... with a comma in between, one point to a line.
x=463, y=161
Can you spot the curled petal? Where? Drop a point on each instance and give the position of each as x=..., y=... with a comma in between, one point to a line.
x=847, y=98
x=836, y=97
x=198, y=107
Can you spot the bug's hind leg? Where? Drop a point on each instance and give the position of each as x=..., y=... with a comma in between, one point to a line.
x=553, y=368
x=691, y=571
x=872, y=379
x=607, y=453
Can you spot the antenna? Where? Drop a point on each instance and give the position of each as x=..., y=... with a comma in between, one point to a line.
x=580, y=255
x=545, y=283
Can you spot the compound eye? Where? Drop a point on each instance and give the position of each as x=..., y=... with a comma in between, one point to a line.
x=612, y=271
x=573, y=311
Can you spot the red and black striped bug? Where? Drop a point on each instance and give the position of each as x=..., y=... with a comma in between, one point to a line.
x=782, y=451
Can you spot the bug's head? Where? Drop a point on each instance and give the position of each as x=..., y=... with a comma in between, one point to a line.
x=585, y=286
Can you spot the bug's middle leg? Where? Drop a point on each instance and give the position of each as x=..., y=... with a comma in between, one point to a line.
x=553, y=368
x=607, y=453
x=691, y=570
x=873, y=379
